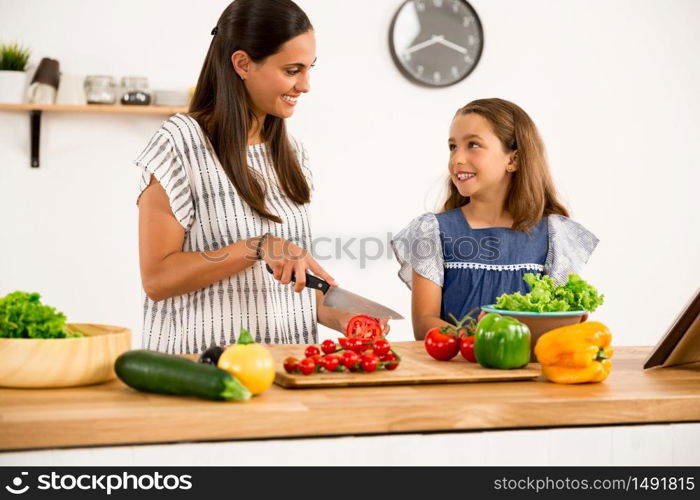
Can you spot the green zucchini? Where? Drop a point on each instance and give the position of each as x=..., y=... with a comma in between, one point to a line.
x=152, y=371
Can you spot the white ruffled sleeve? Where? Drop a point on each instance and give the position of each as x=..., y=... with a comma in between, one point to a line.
x=418, y=248
x=161, y=159
x=570, y=246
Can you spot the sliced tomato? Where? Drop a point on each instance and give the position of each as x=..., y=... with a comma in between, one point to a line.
x=365, y=327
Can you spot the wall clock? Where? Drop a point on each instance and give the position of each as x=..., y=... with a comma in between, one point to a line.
x=436, y=43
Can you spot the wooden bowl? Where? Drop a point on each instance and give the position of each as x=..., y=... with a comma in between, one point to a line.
x=541, y=323
x=41, y=363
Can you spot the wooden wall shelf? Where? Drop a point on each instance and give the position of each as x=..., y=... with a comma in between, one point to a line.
x=35, y=111
x=96, y=108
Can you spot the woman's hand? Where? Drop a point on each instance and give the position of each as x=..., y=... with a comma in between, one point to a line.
x=285, y=258
x=338, y=319
x=384, y=323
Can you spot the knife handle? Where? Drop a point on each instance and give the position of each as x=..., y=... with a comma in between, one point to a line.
x=311, y=281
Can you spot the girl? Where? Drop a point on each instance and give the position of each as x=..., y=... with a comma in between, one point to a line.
x=224, y=191
x=501, y=219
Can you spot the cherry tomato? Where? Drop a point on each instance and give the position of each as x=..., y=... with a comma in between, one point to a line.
x=343, y=341
x=381, y=347
x=390, y=357
x=316, y=358
x=312, y=350
x=467, y=348
x=365, y=327
x=307, y=366
x=328, y=346
x=355, y=344
x=350, y=359
x=330, y=362
x=369, y=362
x=442, y=343
x=291, y=364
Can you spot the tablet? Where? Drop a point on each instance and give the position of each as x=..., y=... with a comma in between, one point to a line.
x=681, y=343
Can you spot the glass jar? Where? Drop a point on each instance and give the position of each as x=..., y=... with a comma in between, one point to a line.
x=100, y=89
x=135, y=91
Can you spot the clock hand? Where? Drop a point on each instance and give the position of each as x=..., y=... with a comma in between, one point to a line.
x=451, y=45
x=433, y=40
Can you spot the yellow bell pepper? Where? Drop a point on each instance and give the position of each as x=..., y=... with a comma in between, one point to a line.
x=576, y=354
x=249, y=362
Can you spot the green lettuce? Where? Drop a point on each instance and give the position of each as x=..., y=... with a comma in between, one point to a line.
x=23, y=316
x=546, y=296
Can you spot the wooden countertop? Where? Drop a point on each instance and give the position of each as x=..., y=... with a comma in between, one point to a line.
x=112, y=413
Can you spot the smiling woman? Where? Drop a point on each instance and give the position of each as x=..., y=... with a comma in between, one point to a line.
x=225, y=192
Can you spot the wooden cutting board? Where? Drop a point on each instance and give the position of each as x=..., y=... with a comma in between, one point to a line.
x=416, y=367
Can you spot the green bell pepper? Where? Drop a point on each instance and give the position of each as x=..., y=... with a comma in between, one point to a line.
x=502, y=342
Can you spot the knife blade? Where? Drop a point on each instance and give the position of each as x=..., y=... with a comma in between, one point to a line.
x=338, y=298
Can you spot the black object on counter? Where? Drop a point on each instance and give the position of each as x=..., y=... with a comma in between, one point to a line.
x=211, y=356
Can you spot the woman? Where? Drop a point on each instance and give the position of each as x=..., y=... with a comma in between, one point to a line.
x=224, y=192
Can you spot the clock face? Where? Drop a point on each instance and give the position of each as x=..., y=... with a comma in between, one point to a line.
x=436, y=43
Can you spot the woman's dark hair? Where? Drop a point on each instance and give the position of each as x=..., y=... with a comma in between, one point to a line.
x=221, y=104
x=531, y=192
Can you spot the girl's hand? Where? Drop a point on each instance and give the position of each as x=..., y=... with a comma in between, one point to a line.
x=285, y=258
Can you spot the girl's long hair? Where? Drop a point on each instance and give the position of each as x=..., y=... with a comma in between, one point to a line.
x=531, y=192
x=221, y=104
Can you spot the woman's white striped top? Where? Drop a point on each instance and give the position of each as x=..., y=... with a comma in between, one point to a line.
x=206, y=204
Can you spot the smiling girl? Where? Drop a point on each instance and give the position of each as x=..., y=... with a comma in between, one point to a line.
x=224, y=191
x=501, y=219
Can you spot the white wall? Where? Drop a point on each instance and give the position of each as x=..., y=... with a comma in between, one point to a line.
x=612, y=86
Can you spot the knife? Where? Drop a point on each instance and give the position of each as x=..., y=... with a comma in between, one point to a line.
x=337, y=298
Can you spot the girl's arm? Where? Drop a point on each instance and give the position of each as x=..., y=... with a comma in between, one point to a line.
x=167, y=271
x=426, y=299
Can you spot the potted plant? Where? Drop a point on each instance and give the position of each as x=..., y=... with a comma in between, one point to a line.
x=13, y=77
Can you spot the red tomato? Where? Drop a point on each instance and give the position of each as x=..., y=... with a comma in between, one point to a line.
x=343, y=341
x=330, y=362
x=442, y=343
x=365, y=327
x=369, y=362
x=307, y=366
x=312, y=350
x=390, y=357
x=350, y=359
x=291, y=364
x=328, y=346
x=467, y=348
x=355, y=344
x=316, y=358
x=381, y=347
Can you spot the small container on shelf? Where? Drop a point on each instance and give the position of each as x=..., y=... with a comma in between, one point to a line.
x=100, y=89
x=135, y=91
x=71, y=90
x=170, y=98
